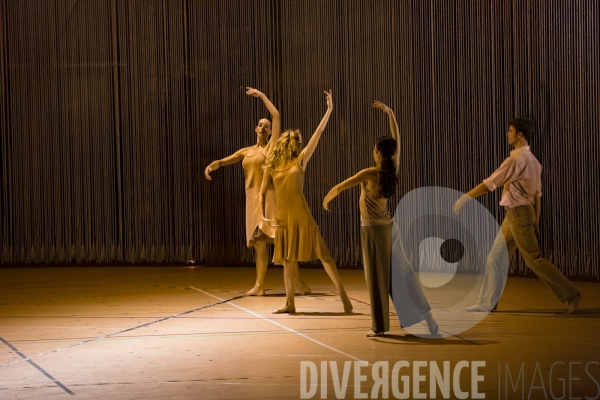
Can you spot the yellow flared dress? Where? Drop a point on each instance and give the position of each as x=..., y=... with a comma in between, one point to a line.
x=297, y=236
x=256, y=228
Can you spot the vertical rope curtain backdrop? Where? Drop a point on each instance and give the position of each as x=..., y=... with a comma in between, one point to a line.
x=111, y=109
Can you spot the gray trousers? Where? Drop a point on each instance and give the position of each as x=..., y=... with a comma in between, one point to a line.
x=518, y=231
x=376, y=244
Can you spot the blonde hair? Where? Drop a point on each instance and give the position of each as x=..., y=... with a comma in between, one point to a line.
x=286, y=149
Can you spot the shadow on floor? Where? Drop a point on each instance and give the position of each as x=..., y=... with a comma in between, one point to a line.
x=429, y=340
x=582, y=312
x=328, y=314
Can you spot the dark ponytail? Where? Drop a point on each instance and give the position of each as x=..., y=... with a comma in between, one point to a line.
x=386, y=173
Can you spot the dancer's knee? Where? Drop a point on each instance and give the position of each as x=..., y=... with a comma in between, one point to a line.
x=328, y=260
x=260, y=246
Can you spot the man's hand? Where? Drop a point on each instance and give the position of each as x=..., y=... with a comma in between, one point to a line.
x=472, y=194
x=460, y=203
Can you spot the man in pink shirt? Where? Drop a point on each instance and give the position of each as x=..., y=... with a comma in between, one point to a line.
x=520, y=174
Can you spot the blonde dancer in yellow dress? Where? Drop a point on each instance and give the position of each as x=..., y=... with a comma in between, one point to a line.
x=258, y=233
x=297, y=237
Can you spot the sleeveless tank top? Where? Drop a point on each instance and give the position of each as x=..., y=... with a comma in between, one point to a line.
x=373, y=209
x=253, y=172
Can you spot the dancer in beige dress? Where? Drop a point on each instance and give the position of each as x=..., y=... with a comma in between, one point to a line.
x=258, y=233
x=297, y=237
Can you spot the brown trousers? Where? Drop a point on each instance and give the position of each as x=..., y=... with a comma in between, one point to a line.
x=518, y=231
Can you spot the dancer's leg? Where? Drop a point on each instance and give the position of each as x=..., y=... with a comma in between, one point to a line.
x=304, y=289
x=332, y=271
x=376, y=243
x=410, y=302
x=290, y=285
x=496, y=268
x=431, y=324
x=262, y=262
x=522, y=225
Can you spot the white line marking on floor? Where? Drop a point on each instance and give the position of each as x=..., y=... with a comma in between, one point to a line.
x=107, y=336
x=283, y=326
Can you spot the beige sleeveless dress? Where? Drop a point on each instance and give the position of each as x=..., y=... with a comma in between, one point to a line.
x=256, y=228
x=297, y=237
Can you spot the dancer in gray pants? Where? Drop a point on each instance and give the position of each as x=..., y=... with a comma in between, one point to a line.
x=377, y=184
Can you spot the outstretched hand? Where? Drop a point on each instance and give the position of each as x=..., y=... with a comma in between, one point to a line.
x=457, y=206
x=383, y=107
x=330, y=196
x=207, y=172
x=253, y=92
x=460, y=203
x=329, y=99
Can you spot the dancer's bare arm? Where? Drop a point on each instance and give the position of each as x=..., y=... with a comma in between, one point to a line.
x=232, y=159
x=314, y=140
x=472, y=194
x=263, y=191
x=276, y=124
x=394, y=132
x=366, y=175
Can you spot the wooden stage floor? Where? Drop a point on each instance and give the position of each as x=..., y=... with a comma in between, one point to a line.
x=175, y=333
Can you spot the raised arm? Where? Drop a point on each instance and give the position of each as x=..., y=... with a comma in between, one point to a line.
x=394, y=132
x=232, y=159
x=276, y=125
x=314, y=140
x=368, y=174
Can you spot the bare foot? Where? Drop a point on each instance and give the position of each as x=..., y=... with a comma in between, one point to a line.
x=346, y=301
x=304, y=289
x=372, y=333
x=255, y=291
x=431, y=324
x=573, y=304
x=285, y=310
